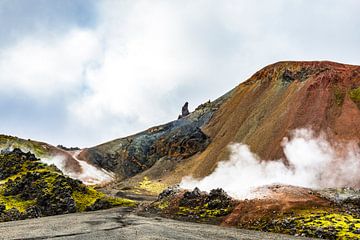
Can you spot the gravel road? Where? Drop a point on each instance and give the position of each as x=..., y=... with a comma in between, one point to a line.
x=120, y=223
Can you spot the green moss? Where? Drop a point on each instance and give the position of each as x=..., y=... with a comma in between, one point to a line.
x=339, y=96
x=85, y=200
x=27, y=182
x=37, y=148
x=150, y=186
x=204, y=212
x=13, y=177
x=317, y=223
x=14, y=202
x=162, y=205
x=339, y=221
x=355, y=96
x=121, y=202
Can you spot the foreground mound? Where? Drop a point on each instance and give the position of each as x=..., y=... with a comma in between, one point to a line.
x=29, y=188
x=284, y=209
x=193, y=205
x=62, y=157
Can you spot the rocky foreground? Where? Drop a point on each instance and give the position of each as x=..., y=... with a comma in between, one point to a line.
x=30, y=189
x=327, y=214
x=120, y=223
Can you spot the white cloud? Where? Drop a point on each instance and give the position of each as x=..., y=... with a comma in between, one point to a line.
x=42, y=67
x=143, y=60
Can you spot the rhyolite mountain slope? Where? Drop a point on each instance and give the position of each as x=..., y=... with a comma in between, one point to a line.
x=284, y=96
x=163, y=145
x=260, y=112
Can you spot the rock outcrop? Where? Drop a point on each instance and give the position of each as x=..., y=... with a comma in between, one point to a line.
x=327, y=214
x=30, y=188
x=172, y=142
x=194, y=205
x=184, y=110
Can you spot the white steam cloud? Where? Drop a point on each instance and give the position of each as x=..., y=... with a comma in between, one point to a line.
x=313, y=162
x=89, y=174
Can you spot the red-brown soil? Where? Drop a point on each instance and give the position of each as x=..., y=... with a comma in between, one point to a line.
x=276, y=100
x=279, y=200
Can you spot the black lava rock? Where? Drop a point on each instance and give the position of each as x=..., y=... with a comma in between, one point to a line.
x=2, y=208
x=99, y=204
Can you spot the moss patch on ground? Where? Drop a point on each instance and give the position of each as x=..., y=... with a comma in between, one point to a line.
x=204, y=211
x=151, y=186
x=84, y=201
x=316, y=223
x=13, y=202
x=342, y=225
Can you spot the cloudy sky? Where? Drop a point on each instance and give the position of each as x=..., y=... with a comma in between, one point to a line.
x=81, y=72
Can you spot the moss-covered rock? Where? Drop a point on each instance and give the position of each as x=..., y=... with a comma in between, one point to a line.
x=39, y=149
x=29, y=188
x=215, y=204
x=326, y=224
x=194, y=205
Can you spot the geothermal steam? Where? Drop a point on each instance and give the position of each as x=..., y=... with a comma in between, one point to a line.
x=313, y=162
x=89, y=174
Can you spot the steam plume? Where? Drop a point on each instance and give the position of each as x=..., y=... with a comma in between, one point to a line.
x=313, y=162
x=88, y=174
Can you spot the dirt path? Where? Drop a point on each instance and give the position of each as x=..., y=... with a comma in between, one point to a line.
x=120, y=223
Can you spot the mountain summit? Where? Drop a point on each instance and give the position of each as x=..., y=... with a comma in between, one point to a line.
x=260, y=112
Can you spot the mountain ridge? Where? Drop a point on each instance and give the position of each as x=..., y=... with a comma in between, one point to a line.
x=259, y=112
x=323, y=96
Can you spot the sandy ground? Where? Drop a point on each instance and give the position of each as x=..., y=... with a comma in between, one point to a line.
x=120, y=223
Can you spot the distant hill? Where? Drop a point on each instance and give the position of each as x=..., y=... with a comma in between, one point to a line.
x=64, y=158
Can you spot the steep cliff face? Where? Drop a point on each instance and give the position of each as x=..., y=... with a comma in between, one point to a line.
x=260, y=112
